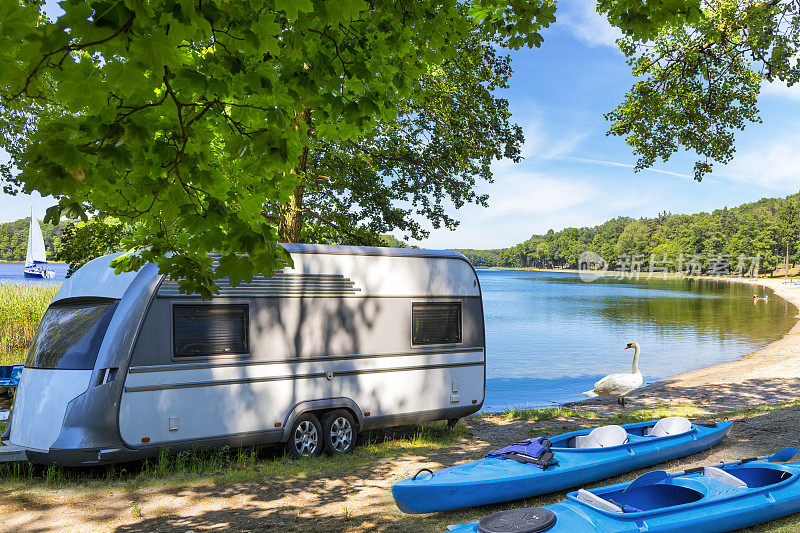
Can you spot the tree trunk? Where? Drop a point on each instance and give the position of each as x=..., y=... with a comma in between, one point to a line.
x=291, y=221
x=291, y=214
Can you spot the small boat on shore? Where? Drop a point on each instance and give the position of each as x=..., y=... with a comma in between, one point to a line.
x=579, y=457
x=35, y=257
x=720, y=498
x=9, y=377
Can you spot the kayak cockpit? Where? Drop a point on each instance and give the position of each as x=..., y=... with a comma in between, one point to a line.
x=640, y=499
x=602, y=437
x=759, y=476
x=611, y=435
x=683, y=490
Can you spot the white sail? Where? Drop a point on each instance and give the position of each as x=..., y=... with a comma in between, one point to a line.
x=35, y=243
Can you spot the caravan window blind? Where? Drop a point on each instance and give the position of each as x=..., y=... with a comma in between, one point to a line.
x=204, y=330
x=435, y=323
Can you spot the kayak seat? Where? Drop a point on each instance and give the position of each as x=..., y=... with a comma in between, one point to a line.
x=602, y=437
x=596, y=501
x=724, y=477
x=606, y=505
x=671, y=425
x=656, y=496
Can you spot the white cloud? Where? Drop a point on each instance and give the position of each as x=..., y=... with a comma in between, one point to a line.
x=541, y=142
x=775, y=166
x=520, y=203
x=779, y=89
x=531, y=193
x=616, y=164
x=581, y=19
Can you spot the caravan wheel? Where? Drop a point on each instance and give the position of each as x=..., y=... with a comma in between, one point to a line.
x=339, y=432
x=305, y=439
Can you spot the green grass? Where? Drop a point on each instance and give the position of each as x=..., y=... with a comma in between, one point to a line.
x=622, y=417
x=656, y=412
x=21, y=309
x=542, y=414
x=225, y=465
x=761, y=409
x=639, y=415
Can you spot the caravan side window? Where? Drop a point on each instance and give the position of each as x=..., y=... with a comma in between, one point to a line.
x=204, y=330
x=436, y=323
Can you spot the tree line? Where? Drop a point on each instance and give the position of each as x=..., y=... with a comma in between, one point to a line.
x=14, y=239
x=759, y=232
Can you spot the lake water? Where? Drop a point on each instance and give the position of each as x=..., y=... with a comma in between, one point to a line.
x=12, y=273
x=551, y=336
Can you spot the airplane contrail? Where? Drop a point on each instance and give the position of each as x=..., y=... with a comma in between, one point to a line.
x=616, y=164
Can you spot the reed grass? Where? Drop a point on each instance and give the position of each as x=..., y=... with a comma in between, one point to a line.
x=21, y=309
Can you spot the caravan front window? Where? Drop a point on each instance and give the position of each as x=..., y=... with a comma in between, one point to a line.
x=70, y=334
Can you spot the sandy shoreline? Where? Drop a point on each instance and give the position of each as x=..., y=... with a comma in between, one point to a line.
x=766, y=376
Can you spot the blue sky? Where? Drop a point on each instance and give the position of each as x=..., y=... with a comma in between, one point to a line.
x=559, y=94
x=573, y=174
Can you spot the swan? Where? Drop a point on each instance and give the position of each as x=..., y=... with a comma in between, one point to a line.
x=619, y=385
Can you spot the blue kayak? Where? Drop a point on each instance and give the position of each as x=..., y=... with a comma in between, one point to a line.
x=582, y=457
x=709, y=501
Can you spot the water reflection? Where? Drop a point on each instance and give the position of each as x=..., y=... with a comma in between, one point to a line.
x=549, y=337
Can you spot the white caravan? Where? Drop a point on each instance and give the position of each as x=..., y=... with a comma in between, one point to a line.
x=351, y=338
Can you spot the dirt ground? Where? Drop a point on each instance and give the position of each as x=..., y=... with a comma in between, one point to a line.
x=361, y=500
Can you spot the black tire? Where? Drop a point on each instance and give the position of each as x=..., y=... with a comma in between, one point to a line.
x=451, y=423
x=339, y=432
x=305, y=438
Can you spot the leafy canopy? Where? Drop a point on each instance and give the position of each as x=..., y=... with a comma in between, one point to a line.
x=186, y=119
x=82, y=241
x=702, y=65
x=445, y=136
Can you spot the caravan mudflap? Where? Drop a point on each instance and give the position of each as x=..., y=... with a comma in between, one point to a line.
x=11, y=453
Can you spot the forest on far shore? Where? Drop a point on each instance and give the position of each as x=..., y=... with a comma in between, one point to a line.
x=762, y=229
x=14, y=240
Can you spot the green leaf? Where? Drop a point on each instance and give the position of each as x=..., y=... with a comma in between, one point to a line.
x=293, y=7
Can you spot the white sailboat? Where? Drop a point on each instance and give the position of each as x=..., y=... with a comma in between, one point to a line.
x=35, y=258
